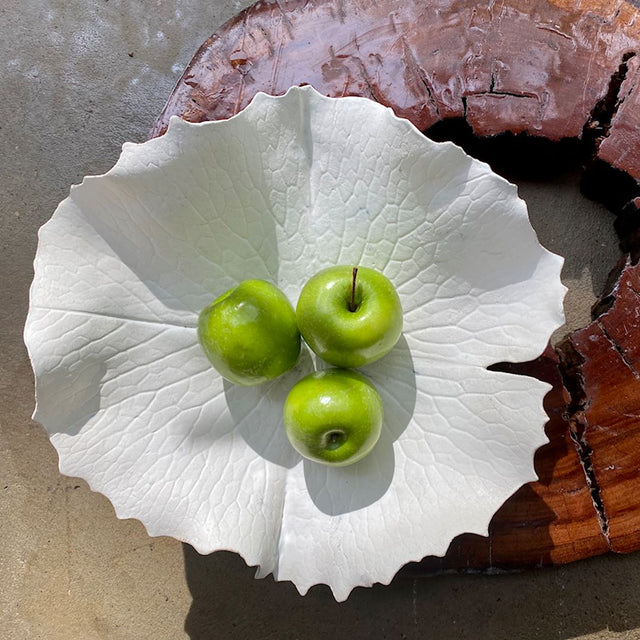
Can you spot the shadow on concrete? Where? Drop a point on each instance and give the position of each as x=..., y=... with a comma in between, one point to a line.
x=565, y=602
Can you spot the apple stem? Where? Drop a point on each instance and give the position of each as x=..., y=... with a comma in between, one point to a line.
x=352, y=303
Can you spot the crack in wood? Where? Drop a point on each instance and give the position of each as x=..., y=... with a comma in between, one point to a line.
x=608, y=296
x=619, y=350
x=598, y=125
x=367, y=80
x=570, y=366
x=601, y=181
x=513, y=94
x=420, y=74
x=555, y=30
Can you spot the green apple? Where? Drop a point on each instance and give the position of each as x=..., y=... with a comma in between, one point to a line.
x=349, y=316
x=250, y=333
x=333, y=416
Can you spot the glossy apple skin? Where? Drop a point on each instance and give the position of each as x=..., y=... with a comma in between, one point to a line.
x=333, y=417
x=343, y=337
x=249, y=333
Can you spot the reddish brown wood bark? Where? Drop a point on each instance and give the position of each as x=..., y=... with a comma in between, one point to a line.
x=609, y=418
x=549, y=70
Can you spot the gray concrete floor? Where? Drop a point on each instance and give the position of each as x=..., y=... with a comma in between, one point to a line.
x=79, y=77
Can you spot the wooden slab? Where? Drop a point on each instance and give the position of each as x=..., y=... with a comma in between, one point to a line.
x=517, y=76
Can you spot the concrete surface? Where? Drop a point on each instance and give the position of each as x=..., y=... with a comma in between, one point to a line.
x=79, y=77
